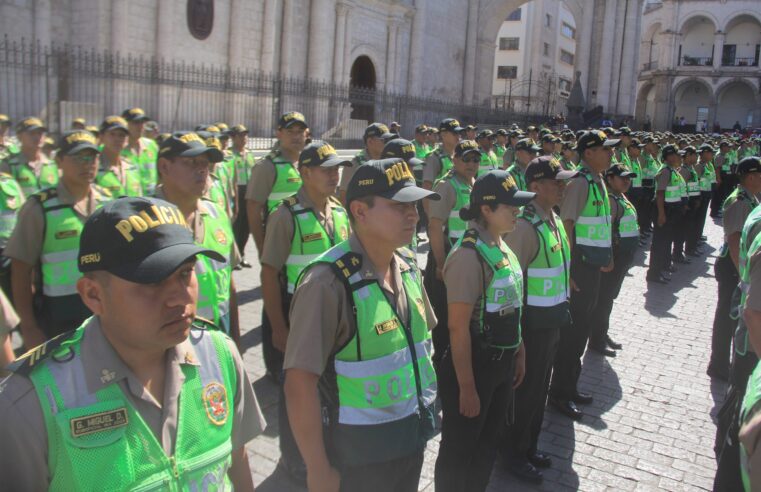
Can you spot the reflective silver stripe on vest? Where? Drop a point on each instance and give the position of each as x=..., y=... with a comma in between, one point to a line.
x=550, y=272
x=59, y=257
x=59, y=290
x=71, y=383
x=206, y=353
x=382, y=365
x=626, y=219
x=592, y=221
x=547, y=301
x=507, y=284
x=280, y=196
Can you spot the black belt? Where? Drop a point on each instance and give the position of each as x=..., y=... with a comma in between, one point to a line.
x=648, y=183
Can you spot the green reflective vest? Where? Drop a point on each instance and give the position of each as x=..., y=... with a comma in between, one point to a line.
x=379, y=389
x=214, y=277
x=310, y=239
x=708, y=179
x=445, y=161
x=593, y=228
x=287, y=181
x=217, y=193
x=548, y=273
x=58, y=261
x=26, y=177
x=145, y=162
x=738, y=193
x=11, y=199
x=518, y=175
x=567, y=164
x=649, y=170
x=243, y=163
x=455, y=225
x=634, y=166
x=488, y=162
x=421, y=150
x=676, y=191
x=99, y=441
x=224, y=172
x=499, y=308
x=109, y=180
x=749, y=245
x=693, y=185
x=748, y=410
x=625, y=228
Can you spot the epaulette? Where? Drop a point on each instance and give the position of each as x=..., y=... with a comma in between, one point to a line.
x=103, y=191
x=205, y=324
x=407, y=254
x=290, y=201
x=46, y=194
x=273, y=154
x=470, y=238
x=347, y=265
x=335, y=201
x=27, y=362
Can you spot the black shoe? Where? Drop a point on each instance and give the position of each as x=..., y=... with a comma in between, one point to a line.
x=582, y=398
x=540, y=459
x=524, y=471
x=716, y=373
x=245, y=264
x=704, y=238
x=238, y=267
x=614, y=345
x=681, y=260
x=567, y=408
x=671, y=269
x=657, y=280
x=602, y=349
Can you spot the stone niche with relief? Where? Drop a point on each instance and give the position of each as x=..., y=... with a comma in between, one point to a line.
x=200, y=18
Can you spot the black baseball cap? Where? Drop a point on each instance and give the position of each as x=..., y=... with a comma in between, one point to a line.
x=211, y=139
x=386, y=178
x=749, y=165
x=526, y=144
x=113, y=123
x=548, y=138
x=79, y=121
x=625, y=131
x=502, y=132
x=620, y=170
x=30, y=124
x=135, y=114
x=495, y=187
x=465, y=147
x=4, y=120
x=403, y=149
x=139, y=239
x=668, y=150
x=485, y=134
x=188, y=144
x=636, y=143
x=237, y=130
x=706, y=148
x=291, y=118
x=688, y=150
x=595, y=138
x=471, y=128
x=546, y=167
x=321, y=154
x=421, y=128
x=213, y=129
x=378, y=130
x=450, y=125
x=75, y=141
x=395, y=124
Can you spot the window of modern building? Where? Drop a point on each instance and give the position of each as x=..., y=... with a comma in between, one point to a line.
x=507, y=72
x=509, y=44
x=546, y=49
x=515, y=15
x=568, y=31
x=566, y=57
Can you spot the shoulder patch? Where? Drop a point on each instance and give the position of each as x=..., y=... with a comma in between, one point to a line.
x=348, y=265
x=335, y=201
x=204, y=324
x=290, y=201
x=46, y=194
x=29, y=361
x=470, y=238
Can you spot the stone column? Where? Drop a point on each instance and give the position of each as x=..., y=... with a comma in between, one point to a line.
x=340, y=42
x=391, y=57
x=321, y=32
x=119, y=14
x=41, y=20
x=606, y=64
x=629, y=60
x=286, y=39
x=345, y=74
x=584, y=47
x=417, y=34
x=718, y=49
x=471, y=40
x=269, y=31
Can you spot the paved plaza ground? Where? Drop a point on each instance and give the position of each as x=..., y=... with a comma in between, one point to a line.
x=651, y=425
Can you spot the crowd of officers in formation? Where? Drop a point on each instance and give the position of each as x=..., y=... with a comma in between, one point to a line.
x=531, y=233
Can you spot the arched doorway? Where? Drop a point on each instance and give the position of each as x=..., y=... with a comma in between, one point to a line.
x=362, y=89
x=693, y=101
x=645, y=110
x=736, y=103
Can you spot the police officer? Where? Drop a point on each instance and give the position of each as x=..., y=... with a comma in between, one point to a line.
x=11, y=200
x=631, y=160
x=432, y=138
x=525, y=152
x=139, y=371
x=29, y=166
x=375, y=137
x=242, y=163
x=508, y=158
x=726, y=180
x=445, y=228
x=439, y=162
x=625, y=233
x=79, y=124
x=360, y=316
x=218, y=187
x=9, y=321
x=568, y=157
x=43, y=245
x=140, y=151
x=422, y=149
x=489, y=161
x=707, y=174
x=304, y=226
x=671, y=202
x=470, y=132
x=404, y=149
x=650, y=166
x=738, y=205
x=500, y=146
x=684, y=234
x=115, y=173
x=6, y=146
x=485, y=360
x=541, y=245
x=184, y=167
x=585, y=212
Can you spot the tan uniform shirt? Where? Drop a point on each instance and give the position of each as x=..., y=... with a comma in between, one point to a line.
x=25, y=244
x=662, y=179
x=347, y=172
x=432, y=167
x=524, y=241
x=749, y=437
x=440, y=209
x=262, y=179
x=8, y=317
x=34, y=165
x=279, y=233
x=735, y=214
x=23, y=437
x=753, y=298
x=321, y=317
x=575, y=196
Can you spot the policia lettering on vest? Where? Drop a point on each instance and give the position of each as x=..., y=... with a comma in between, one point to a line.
x=359, y=338
x=486, y=359
x=81, y=409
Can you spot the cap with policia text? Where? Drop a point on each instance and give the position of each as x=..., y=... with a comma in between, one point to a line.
x=620, y=170
x=188, y=144
x=135, y=114
x=321, y=154
x=378, y=130
x=595, y=138
x=141, y=240
x=292, y=118
x=386, y=178
x=688, y=150
x=749, y=165
x=668, y=150
x=465, y=147
x=421, y=128
x=485, y=134
x=79, y=121
x=30, y=124
x=450, y=125
x=546, y=167
x=526, y=144
x=403, y=149
x=113, y=123
x=4, y=120
x=76, y=141
x=706, y=148
x=494, y=187
x=237, y=130
x=636, y=143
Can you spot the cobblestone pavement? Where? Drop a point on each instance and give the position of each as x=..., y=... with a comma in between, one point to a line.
x=651, y=425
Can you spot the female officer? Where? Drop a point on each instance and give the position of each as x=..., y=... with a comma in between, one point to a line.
x=485, y=360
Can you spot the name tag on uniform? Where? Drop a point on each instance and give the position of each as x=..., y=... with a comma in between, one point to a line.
x=66, y=234
x=387, y=326
x=555, y=248
x=294, y=180
x=312, y=237
x=98, y=422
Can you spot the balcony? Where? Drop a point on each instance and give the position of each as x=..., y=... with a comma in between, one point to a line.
x=739, y=62
x=696, y=61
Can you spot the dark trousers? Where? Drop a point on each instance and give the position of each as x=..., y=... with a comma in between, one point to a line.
x=645, y=209
x=273, y=358
x=723, y=325
x=684, y=231
x=437, y=294
x=717, y=199
x=541, y=344
x=610, y=287
x=573, y=341
x=635, y=196
x=663, y=238
x=240, y=226
x=705, y=199
x=399, y=475
x=468, y=446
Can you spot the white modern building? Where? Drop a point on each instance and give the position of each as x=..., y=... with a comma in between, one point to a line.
x=699, y=59
x=535, y=57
